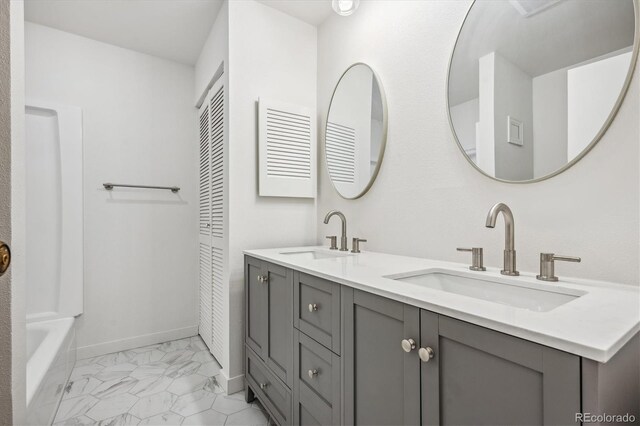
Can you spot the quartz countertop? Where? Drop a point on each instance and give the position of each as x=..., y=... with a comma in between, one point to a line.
x=595, y=325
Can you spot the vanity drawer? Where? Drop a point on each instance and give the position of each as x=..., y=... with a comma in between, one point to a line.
x=272, y=393
x=317, y=309
x=317, y=384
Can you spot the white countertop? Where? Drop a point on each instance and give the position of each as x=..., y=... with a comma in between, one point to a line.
x=595, y=325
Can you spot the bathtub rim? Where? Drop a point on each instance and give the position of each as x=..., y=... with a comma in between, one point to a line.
x=41, y=361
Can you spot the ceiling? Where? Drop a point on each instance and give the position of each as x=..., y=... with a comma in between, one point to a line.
x=313, y=12
x=170, y=29
x=564, y=34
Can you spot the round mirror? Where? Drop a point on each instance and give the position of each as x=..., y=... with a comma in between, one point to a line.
x=533, y=85
x=356, y=131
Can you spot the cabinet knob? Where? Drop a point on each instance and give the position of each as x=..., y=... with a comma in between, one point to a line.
x=313, y=307
x=263, y=278
x=313, y=373
x=263, y=386
x=408, y=345
x=426, y=354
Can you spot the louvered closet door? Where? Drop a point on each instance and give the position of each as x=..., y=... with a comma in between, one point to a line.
x=206, y=279
x=219, y=229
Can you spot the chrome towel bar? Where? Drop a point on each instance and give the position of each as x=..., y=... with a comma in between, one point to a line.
x=110, y=186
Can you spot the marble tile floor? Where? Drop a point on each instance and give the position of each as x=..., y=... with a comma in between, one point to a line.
x=172, y=383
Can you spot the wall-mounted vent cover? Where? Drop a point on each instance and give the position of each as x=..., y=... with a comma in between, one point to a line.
x=287, y=150
x=340, y=146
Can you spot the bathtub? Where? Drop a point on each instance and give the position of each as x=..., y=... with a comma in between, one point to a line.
x=51, y=354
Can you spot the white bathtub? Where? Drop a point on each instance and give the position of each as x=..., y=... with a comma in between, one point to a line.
x=51, y=354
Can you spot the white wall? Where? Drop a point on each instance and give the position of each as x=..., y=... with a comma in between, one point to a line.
x=485, y=130
x=139, y=127
x=512, y=97
x=271, y=55
x=464, y=117
x=215, y=51
x=549, y=122
x=428, y=200
x=593, y=89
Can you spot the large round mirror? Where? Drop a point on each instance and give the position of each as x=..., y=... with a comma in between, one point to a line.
x=356, y=131
x=533, y=85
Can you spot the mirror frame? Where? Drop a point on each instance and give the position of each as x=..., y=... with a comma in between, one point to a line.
x=383, y=142
x=598, y=136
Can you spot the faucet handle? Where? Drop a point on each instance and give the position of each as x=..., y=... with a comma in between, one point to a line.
x=547, y=265
x=356, y=244
x=476, y=258
x=334, y=242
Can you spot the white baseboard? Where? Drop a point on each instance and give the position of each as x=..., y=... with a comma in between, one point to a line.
x=231, y=385
x=135, y=342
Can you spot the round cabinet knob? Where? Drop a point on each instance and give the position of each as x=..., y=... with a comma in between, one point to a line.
x=426, y=354
x=313, y=307
x=263, y=385
x=408, y=345
x=313, y=373
x=263, y=278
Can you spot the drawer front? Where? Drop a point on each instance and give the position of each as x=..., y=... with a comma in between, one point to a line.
x=317, y=385
x=275, y=395
x=317, y=309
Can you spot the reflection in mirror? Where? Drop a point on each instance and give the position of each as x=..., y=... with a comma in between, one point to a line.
x=356, y=131
x=534, y=84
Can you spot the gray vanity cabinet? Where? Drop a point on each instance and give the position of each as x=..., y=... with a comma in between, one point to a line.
x=321, y=353
x=381, y=380
x=476, y=370
x=268, y=326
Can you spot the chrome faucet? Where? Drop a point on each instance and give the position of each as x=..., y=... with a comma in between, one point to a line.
x=343, y=238
x=509, y=267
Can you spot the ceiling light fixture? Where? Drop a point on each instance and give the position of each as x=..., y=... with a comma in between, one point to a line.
x=345, y=7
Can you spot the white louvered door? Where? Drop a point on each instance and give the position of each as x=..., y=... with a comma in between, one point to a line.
x=213, y=229
x=205, y=226
x=218, y=215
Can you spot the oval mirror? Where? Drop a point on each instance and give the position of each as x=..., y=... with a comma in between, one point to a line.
x=356, y=131
x=533, y=85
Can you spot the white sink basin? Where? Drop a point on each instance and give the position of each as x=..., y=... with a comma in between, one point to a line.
x=504, y=291
x=316, y=254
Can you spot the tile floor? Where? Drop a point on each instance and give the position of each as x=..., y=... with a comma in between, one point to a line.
x=172, y=383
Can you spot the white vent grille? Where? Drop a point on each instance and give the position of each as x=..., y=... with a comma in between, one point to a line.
x=205, y=294
x=288, y=144
x=340, y=145
x=217, y=262
x=205, y=178
x=217, y=163
x=287, y=150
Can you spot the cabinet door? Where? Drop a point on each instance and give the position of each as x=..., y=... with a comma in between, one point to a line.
x=381, y=380
x=482, y=377
x=278, y=352
x=256, y=306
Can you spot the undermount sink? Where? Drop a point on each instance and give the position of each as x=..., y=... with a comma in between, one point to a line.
x=315, y=254
x=503, y=291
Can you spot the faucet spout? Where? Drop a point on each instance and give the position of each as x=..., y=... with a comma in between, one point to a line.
x=343, y=238
x=509, y=227
x=509, y=236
